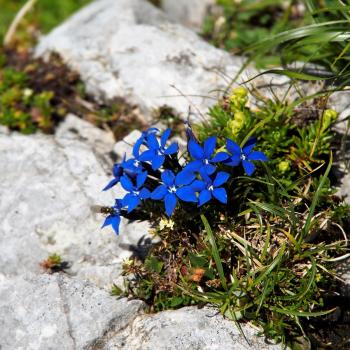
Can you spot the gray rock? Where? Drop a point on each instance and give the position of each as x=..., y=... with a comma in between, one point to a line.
x=48, y=186
x=57, y=312
x=129, y=49
x=190, y=13
x=187, y=329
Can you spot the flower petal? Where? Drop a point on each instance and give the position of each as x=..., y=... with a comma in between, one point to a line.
x=173, y=148
x=140, y=179
x=131, y=201
x=117, y=170
x=221, y=178
x=249, y=167
x=220, y=194
x=195, y=150
x=204, y=197
x=249, y=145
x=257, y=155
x=147, y=155
x=209, y=146
x=145, y=193
x=136, y=148
x=126, y=183
x=233, y=161
x=170, y=201
x=198, y=185
x=115, y=224
x=220, y=157
x=152, y=142
x=233, y=147
x=193, y=166
x=164, y=137
x=157, y=162
x=184, y=177
x=113, y=220
x=187, y=194
x=111, y=184
x=159, y=193
x=209, y=168
x=168, y=178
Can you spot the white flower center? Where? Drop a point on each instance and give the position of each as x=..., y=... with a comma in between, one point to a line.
x=206, y=161
x=243, y=157
x=136, y=163
x=172, y=189
x=136, y=193
x=210, y=188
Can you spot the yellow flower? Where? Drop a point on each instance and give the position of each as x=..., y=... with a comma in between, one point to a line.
x=166, y=223
x=283, y=166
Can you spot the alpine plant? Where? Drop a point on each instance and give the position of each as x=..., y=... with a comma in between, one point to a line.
x=155, y=173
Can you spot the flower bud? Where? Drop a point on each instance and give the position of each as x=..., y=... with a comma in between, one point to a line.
x=329, y=116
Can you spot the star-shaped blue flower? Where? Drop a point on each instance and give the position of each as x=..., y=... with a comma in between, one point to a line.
x=203, y=157
x=157, y=152
x=245, y=155
x=136, y=193
x=209, y=187
x=114, y=218
x=174, y=187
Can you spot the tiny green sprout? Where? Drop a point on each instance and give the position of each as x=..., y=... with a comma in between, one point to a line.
x=54, y=263
x=116, y=291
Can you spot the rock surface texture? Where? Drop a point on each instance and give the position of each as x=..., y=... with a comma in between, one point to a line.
x=129, y=49
x=190, y=13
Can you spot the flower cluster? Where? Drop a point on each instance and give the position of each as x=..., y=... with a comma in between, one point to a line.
x=154, y=172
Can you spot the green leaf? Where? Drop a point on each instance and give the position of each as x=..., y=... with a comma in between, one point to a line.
x=153, y=264
x=215, y=251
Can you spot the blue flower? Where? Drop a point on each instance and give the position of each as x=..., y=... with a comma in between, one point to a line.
x=203, y=157
x=245, y=155
x=118, y=171
x=157, y=152
x=136, y=194
x=174, y=187
x=209, y=187
x=114, y=218
x=134, y=165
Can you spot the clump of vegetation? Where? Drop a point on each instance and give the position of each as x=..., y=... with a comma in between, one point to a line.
x=54, y=263
x=241, y=24
x=33, y=96
x=266, y=250
x=44, y=16
x=276, y=33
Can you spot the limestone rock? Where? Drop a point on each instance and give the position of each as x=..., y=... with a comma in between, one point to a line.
x=187, y=329
x=190, y=13
x=57, y=312
x=129, y=49
x=48, y=186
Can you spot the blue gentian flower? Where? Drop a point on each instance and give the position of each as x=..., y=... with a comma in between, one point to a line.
x=118, y=171
x=136, y=193
x=114, y=218
x=203, y=157
x=174, y=187
x=157, y=152
x=134, y=165
x=245, y=155
x=207, y=188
